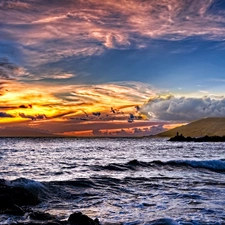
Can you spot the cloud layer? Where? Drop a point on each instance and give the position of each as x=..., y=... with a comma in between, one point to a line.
x=45, y=32
x=90, y=102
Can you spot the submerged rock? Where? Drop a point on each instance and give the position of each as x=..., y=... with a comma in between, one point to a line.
x=77, y=218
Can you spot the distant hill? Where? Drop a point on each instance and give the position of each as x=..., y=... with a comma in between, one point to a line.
x=24, y=132
x=207, y=126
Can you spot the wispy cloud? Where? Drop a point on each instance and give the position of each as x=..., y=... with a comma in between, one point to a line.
x=85, y=28
x=41, y=101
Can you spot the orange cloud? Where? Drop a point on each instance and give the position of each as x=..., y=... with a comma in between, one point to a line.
x=41, y=102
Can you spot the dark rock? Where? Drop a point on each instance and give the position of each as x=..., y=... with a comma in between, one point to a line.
x=181, y=138
x=55, y=223
x=97, y=222
x=178, y=138
x=11, y=198
x=41, y=216
x=14, y=210
x=78, y=218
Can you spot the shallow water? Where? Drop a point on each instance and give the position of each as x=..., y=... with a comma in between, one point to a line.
x=133, y=181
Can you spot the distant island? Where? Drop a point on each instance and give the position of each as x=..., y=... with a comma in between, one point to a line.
x=181, y=138
x=207, y=129
x=203, y=130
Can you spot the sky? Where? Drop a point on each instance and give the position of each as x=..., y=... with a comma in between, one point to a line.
x=109, y=68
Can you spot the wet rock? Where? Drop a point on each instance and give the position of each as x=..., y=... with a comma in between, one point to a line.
x=55, y=223
x=14, y=210
x=41, y=216
x=78, y=218
x=206, y=138
x=11, y=198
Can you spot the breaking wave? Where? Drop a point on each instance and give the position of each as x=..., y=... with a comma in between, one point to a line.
x=217, y=165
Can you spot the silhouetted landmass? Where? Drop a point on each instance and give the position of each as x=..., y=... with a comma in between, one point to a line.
x=206, y=138
x=24, y=132
x=200, y=128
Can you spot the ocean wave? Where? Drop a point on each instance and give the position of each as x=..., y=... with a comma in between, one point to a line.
x=163, y=221
x=36, y=188
x=217, y=165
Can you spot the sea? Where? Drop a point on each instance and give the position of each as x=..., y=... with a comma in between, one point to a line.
x=125, y=181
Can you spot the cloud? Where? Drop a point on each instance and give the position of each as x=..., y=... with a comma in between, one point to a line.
x=5, y=115
x=136, y=131
x=184, y=108
x=104, y=96
x=69, y=101
x=33, y=117
x=9, y=107
x=11, y=4
x=10, y=71
x=96, y=132
x=25, y=106
x=84, y=28
x=2, y=84
x=149, y=131
x=6, y=69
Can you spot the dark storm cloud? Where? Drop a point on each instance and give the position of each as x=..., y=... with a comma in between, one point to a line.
x=184, y=109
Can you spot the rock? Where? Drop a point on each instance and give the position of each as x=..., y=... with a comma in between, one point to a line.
x=41, y=216
x=78, y=218
x=206, y=138
x=55, y=223
x=11, y=198
x=15, y=210
x=179, y=138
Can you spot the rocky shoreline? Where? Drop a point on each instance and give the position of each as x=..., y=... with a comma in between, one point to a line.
x=18, y=201
x=181, y=138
